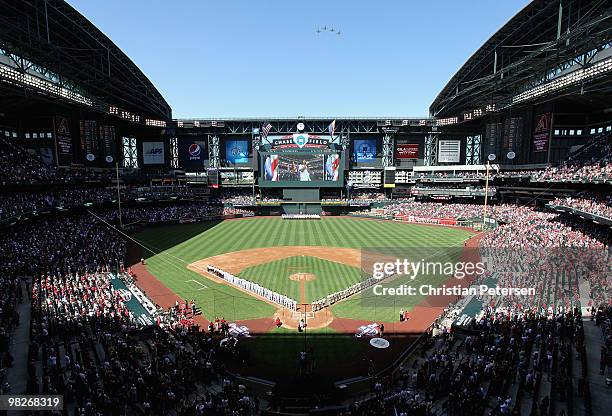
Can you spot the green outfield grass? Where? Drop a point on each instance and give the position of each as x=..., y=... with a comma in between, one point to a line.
x=174, y=247
x=330, y=276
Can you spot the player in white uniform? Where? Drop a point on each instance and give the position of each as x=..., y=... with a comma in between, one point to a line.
x=304, y=174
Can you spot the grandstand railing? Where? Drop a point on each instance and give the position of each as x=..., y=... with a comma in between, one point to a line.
x=584, y=214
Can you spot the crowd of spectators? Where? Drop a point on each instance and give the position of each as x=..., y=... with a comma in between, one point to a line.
x=506, y=365
x=236, y=196
x=19, y=167
x=447, y=175
x=156, y=192
x=535, y=229
x=552, y=253
x=502, y=212
x=105, y=364
x=59, y=245
x=11, y=294
x=601, y=206
x=547, y=251
x=601, y=171
x=18, y=203
x=368, y=196
x=84, y=343
x=70, y=296
x=86, y=346
x=172, y=212
x=596, y=165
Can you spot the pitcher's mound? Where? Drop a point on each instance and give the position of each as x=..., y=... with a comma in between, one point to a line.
x=302, y=277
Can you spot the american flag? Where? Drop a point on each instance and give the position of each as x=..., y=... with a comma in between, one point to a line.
x=265, y=130
x=332, y=128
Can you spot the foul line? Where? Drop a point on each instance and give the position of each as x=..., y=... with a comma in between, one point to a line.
x=203, y=286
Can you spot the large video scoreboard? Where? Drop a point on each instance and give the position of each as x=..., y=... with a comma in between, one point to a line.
x=301, y=168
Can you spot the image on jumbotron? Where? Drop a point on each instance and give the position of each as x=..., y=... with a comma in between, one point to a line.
x=352, y=208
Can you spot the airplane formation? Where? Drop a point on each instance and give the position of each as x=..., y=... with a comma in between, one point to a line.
x=328, y=29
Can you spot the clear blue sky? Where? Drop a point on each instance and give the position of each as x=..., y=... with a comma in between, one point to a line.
x=245, y=58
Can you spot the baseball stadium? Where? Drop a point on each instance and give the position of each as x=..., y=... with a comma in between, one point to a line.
x=452, y=264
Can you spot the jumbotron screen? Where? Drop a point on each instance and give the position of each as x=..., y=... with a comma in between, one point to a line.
x=301, y=169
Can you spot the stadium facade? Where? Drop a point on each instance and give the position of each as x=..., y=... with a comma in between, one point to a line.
x=536, y=91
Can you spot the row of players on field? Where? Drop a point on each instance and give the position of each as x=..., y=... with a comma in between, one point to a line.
x=254, y=288
x=343, y=294
x=285, y=301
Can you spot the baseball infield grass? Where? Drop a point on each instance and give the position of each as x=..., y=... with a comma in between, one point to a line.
x=172, y=248
x=329, y=276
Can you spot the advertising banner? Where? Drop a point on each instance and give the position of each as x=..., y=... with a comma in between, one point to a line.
x=108, y=143
x=301, y=141
x=63, y=141
x=541, y=133
x=153, y=153
x=192, y=154
x=236, y=151
x=407, y=151
x=364, y=150
x=89, y=140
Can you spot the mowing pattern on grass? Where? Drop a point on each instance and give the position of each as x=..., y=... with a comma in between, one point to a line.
x=178, y=246
x=330, y=276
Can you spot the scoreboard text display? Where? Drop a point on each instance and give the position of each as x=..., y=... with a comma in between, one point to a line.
x=301, y=169
x=449, y=151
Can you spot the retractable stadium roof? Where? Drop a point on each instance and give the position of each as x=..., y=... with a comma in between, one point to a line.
x=52, y=34
x=543, y=36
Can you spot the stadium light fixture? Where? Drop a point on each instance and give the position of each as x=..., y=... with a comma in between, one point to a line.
x=155, y=123
x=593, y=71
x=14, y=76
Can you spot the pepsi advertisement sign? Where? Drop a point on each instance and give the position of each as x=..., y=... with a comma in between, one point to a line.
x=192, y=154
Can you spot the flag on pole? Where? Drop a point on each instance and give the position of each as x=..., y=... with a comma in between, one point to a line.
x=332, y=128
x=265, y=130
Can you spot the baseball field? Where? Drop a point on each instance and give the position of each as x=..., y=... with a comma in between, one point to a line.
x=304, y=260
